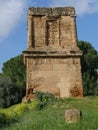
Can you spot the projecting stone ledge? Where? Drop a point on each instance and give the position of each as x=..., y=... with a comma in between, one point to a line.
x=65, y=11
x=46, y=51
x=52, y=53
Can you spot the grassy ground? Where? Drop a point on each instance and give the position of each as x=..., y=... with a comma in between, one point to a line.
x=52, y=116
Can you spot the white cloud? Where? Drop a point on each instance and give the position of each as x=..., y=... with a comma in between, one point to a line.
x=81, y=6
x=10, y=13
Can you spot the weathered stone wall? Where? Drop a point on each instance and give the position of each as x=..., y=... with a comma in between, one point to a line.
x=60, y=76
x=53, y=57
x=51, y=27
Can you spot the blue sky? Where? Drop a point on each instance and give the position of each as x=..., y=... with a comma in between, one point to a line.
x=13, y=23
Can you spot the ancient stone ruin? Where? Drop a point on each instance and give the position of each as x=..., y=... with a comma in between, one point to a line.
x=52, y=57
x=73, y=115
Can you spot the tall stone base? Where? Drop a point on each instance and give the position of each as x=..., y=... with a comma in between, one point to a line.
x=59, y=74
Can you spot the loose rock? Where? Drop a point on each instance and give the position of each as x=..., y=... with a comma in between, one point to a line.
x=72, y=115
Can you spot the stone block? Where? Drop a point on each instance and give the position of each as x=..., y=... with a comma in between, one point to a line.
x=73, y=115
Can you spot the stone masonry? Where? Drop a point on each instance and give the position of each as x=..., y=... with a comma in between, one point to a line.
x=52, y=57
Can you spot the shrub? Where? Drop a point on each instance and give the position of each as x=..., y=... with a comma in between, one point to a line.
x=13, y=113
x=33, y=105
x=44, y=98
x=2, y=118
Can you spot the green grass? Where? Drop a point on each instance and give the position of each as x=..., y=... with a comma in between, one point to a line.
x=52, y=117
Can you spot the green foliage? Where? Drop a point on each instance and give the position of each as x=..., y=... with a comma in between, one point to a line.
x=2, y=118
x=9, y=93
x=53, y=116
x=12, y=114
x=15, y=70
x=44, y=98
x=89, y=63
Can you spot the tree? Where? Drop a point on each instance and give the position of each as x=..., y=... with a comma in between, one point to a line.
x=9, y=93
x=89, y=63
x=16, y=71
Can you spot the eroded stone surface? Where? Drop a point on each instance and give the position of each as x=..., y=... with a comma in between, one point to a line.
x=28, y=97
x=73, y=115
x=52, y=57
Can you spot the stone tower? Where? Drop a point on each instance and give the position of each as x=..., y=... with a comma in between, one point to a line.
x=52, y=57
